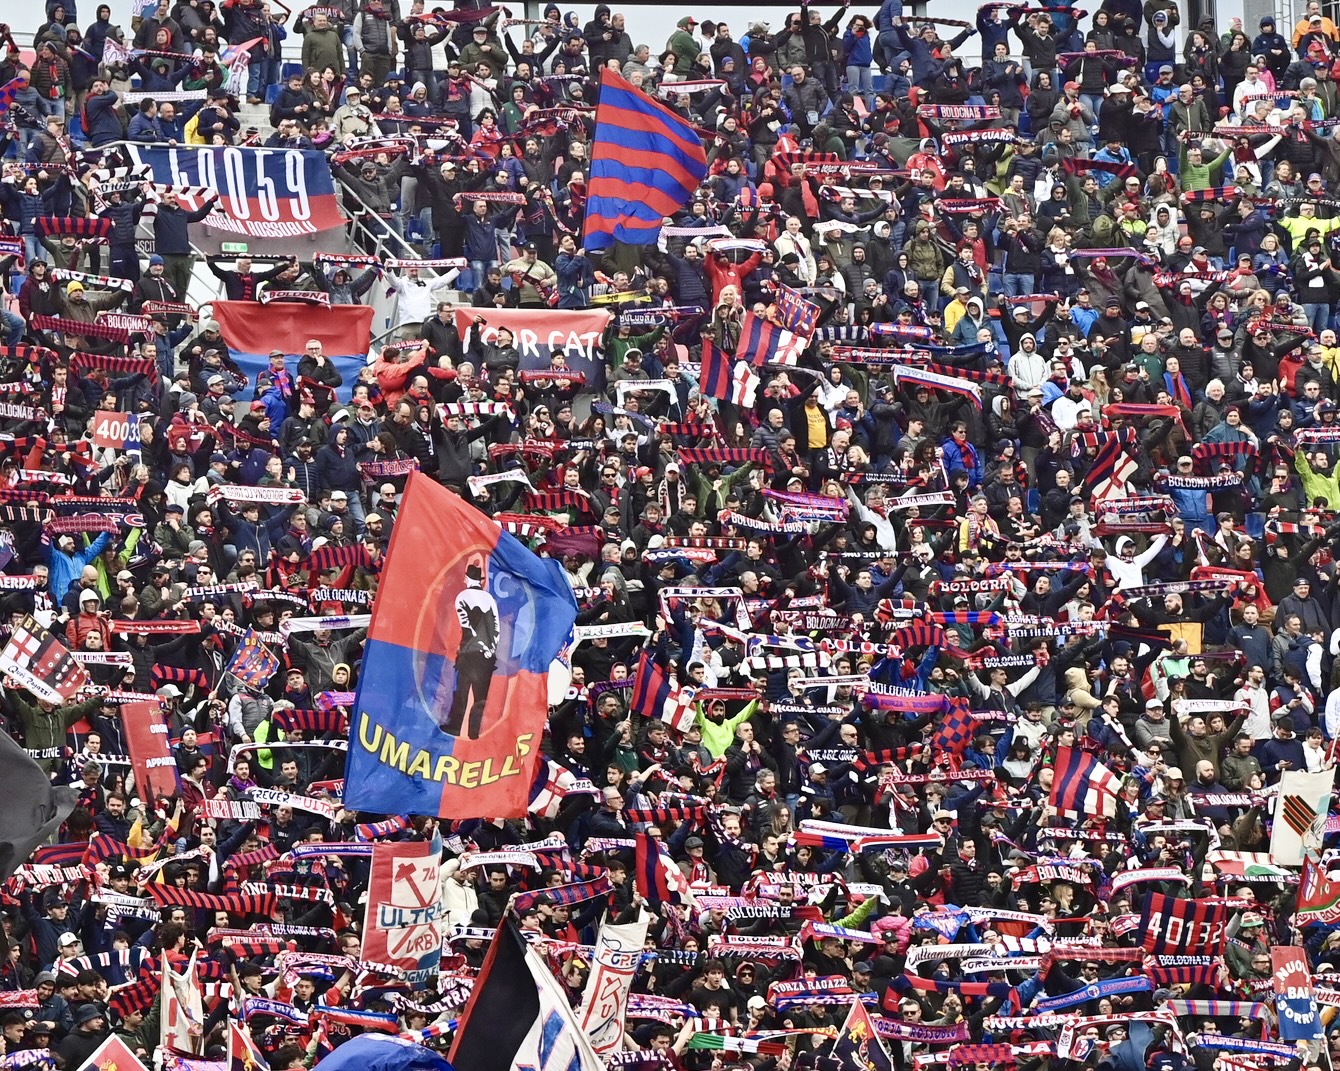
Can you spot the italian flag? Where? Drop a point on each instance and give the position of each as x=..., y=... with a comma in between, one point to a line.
x=721, y=1043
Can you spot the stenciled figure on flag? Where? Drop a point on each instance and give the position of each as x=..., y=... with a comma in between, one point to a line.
x=477, y=656
x=453, y=696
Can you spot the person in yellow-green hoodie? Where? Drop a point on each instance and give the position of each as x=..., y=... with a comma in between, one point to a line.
x=1320, y=479
x=1306, y=220
x=717, y=729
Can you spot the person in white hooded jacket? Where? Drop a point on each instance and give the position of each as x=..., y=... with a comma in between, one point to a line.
x=1127, y=567
x=459, y=899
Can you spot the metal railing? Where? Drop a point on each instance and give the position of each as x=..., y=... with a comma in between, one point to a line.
x=386, y=242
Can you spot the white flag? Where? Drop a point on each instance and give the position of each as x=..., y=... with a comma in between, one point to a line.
x=1300, y=815
x=183, y=1018
x=605, y=999
x=744, y=383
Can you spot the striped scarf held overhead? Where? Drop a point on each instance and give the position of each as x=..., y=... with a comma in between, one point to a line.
x=160, y=675
x=566, y=895
x=80, y=226
x=1076, y=166
x=656, y=815
x=139, y=996
x=995, y=1055
x=106, y=282
x=723, y=455
x=385, y=828
x=119, y=365
x=263, y=903
x=557, y=501
x=81, y=523
x=1206, y=451
x=79, y=329
x=690, y=429
x=311, y=721
x=972, y=375
x=326, y=559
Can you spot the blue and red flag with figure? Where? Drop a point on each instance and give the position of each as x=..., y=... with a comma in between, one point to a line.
x=763, y=342
x=453, y=695
x=795, y=313
x=645, y=164
x=253, y=663
x=857, y=1046
x=253, y=330
x=1082, y=787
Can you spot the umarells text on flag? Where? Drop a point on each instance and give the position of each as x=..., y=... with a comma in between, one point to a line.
x=381, y=743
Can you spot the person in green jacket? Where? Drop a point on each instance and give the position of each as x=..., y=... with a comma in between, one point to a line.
x=140, y=1032
x=1319, y=482
x=619, y=339
x=45, y=724
x=1196, y=174
x=717, y=729
x=684, y=46
x=713, y=488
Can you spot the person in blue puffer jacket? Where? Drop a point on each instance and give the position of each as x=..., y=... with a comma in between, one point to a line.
x=101, y=124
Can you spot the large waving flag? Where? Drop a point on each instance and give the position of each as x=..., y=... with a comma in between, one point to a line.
x=252, y=330
x=253, y=663
x=1082, y=787
x=518, y=1015
x=453, y=695
x=656, y=877
x=1112, y=467
x=858, y=1046
x=1300, y=815
x=714, y=373
x=763, y=342
x=645, y=164
x=40, y=662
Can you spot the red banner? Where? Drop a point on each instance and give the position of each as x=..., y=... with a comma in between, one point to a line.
x=404, y=920
x=152, y=758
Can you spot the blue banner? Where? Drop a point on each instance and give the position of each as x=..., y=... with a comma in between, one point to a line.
x=263, y=193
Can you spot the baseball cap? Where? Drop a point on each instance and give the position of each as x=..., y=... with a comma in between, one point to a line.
x=339, y=496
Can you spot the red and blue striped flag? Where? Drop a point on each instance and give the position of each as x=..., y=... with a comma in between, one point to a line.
x=763, y=342
x=656, y=877
x=1082, y=786
x=645, y=164
x=651, y=687
x=714, y=379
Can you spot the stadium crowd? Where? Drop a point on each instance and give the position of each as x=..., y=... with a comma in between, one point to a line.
x=1045, y=466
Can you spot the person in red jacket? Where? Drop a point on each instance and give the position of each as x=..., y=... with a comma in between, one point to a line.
x=724, y=272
